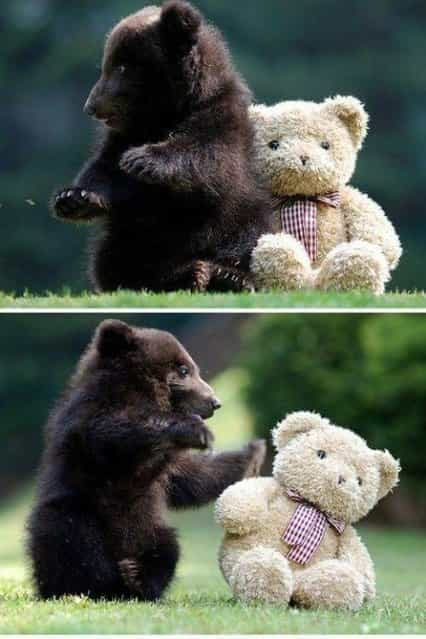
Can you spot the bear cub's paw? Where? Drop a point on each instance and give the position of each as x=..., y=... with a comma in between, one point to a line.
x=228, y=279
x=257, y=452
x=78, y=204
x=145, y=163
x=130, y=573
x=193, y=433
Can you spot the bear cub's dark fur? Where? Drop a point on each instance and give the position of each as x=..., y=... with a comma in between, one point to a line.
x=172, y=183
x=118, y=453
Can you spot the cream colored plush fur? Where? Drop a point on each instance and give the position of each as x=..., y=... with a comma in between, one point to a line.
x=357, y=244
x=254, y=514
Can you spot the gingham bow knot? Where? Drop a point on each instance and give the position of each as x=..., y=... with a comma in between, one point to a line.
x=299, y=218
x=306, y=529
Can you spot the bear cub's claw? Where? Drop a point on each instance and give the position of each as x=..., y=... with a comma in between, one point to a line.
x=230, y=279
x=129, y=570
x=78, y=204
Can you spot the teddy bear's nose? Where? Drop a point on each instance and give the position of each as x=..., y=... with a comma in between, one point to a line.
x=342, y=480
x=304, y=159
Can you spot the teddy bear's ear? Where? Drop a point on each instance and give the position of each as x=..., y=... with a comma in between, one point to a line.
x=296, y=424
x=353, y=114
x=389, y=468
x=258, y=113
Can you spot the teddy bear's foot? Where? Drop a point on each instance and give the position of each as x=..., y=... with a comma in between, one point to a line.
x=354, y=266
x=330, y=584
x=280, y=262
x=262, y=574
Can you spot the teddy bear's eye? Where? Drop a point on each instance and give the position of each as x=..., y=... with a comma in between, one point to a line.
x=122, y=69
x=325, y=145
x=274, y=145
x=322, y=454
x=360, y=482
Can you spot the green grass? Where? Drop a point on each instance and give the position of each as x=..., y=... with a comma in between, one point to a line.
x=179, y=300
x=200, y=602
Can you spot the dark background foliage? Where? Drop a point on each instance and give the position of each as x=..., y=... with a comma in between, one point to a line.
x=38, y=353
x=309, y=49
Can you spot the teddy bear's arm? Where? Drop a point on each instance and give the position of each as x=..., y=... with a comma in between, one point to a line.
x=365, y=220
x=242, y=506
x=353, y=551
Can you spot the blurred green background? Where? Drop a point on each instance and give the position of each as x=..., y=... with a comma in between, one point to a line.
x=367, y=372
x=309, y=49
x=363, y=371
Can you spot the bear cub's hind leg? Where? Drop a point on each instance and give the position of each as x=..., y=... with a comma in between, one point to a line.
x=149, y=575
x=201, y=276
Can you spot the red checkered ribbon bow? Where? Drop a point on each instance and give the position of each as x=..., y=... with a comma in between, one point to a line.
x=299, y=218
x=306, y=529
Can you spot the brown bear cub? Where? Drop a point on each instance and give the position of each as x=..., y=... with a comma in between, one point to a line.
x=172, y=182
x=118, y=453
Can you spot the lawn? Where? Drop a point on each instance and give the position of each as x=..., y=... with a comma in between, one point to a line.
x=182, y=300
x=200, y=602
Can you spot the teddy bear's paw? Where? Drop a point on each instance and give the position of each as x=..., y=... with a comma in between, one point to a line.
x=354, y=266
x=262, y=574
x=330, y=584
x=280, y=262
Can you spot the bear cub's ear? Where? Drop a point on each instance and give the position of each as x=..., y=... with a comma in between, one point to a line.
x=389, y=468
x=114, y=338
x=353, y=114
x=180, y=23
x=296, y=424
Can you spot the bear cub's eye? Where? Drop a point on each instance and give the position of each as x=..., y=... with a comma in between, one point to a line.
x=322, y=454
x=183, y=371
x=326, y=145
x=360, y=481
x=122, y=69
x=274, y=145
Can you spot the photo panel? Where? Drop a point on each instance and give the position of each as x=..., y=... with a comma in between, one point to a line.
x=237, y=431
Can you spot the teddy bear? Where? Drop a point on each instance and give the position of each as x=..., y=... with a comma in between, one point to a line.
x=329, y=235
x=289, y=538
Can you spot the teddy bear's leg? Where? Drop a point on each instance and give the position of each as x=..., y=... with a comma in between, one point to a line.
x=329, y=584
x=280, y=262
x=354, y=266
x=262, y=574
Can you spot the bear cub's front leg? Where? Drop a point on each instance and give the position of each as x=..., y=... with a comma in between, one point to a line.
x=150, y=573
